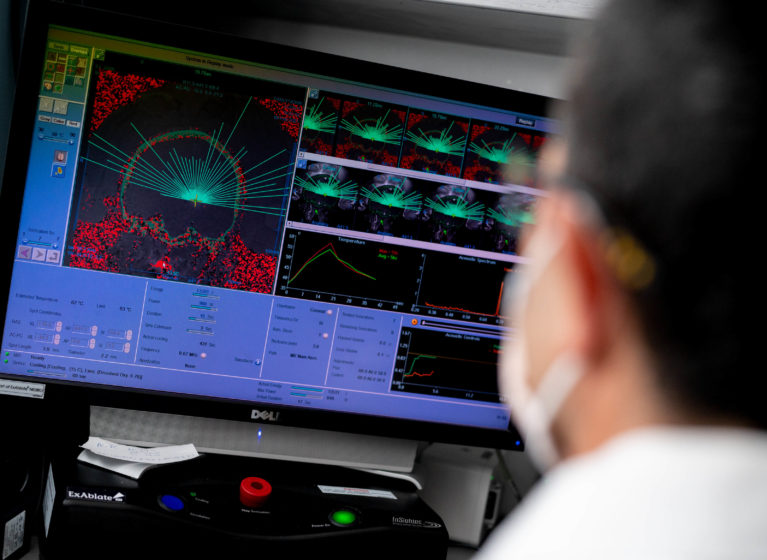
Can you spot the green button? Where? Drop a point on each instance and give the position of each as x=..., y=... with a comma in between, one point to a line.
x=343, y=517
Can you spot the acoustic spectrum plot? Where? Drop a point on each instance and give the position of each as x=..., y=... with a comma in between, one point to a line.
x=447, y=364
x=496, y=311
x=462, y=287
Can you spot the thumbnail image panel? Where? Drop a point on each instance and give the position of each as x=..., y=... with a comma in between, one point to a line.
x=499, y=153
x=506, y=218
x=184, y=176
x=370, y=131
x=325, y=194
x=391, y=204
x=333, y=195
x=434, y=143
x=320, y=121
x=455, y=215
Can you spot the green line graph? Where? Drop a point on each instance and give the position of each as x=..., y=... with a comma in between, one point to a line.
x=325, y=250
x=412, y=373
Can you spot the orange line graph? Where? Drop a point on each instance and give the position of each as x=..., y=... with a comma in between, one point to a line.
x=329, y=249
x=416, y=374
x=494, y=314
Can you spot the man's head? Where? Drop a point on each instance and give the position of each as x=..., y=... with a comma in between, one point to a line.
x=650, y=287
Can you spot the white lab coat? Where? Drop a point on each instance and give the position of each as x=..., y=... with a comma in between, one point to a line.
x=650, y=494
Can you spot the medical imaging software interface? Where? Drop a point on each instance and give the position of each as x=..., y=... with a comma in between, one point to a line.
x=207, y=226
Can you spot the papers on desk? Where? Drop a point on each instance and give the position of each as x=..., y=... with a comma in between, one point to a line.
x=132, y=461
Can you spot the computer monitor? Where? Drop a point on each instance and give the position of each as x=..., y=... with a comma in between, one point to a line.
x=215, y=226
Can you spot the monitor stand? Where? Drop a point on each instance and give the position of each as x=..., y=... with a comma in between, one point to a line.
x=211, y=435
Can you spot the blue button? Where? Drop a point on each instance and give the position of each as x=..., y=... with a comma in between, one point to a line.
x=171, y=502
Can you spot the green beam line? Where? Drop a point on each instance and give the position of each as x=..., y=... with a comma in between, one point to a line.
x=503, y=154
x=205, y=180
x=330, y=188
x=394, y=199
x=457, y=208
x=316, y=120
x=378, y=132
x=443, y=143
x=511, y=217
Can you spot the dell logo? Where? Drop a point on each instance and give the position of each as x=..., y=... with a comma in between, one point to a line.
x=269, y=415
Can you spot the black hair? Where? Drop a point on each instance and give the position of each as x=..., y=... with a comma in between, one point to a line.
x=664, y=126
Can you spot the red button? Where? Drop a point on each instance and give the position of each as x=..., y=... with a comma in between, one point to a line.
x=254, y=491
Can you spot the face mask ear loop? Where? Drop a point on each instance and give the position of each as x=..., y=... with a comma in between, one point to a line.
x=544, y=404
x=558, y=382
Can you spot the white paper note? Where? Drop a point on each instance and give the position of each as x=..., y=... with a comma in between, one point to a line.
x=126, y=468
x=150, y=455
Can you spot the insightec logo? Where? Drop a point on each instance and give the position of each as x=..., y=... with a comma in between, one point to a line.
x=400, y=521
x=93, y=496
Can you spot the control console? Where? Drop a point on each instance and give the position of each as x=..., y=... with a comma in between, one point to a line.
x=226, y=506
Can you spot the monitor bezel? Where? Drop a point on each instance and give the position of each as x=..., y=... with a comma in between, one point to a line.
x=42, y=14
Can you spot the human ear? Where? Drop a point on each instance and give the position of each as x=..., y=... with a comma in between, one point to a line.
x=592, y=290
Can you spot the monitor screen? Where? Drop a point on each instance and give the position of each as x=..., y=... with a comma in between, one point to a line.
x=236, y=226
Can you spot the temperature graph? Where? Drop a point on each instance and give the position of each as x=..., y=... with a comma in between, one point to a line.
x=348, y=270
x=447, y=364
x=329, y=249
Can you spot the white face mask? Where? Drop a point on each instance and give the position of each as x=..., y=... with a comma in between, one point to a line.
x=534, y=411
